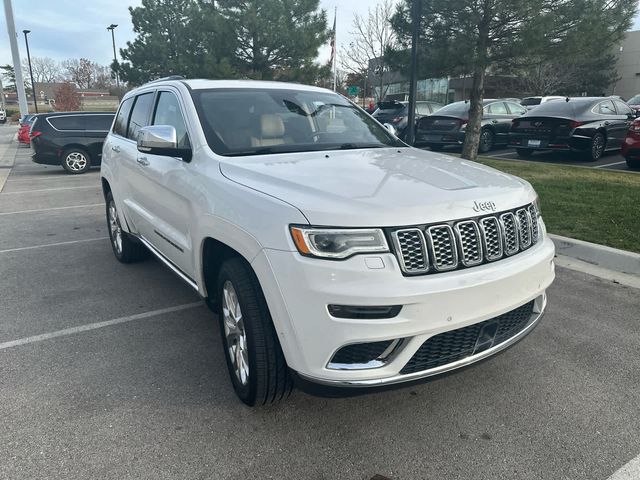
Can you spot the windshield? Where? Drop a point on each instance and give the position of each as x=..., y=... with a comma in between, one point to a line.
x=455, y=109
x=531, y=101
x=251, y=121
x=635, y=100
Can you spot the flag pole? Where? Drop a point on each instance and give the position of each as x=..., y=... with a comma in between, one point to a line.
x=335, y=47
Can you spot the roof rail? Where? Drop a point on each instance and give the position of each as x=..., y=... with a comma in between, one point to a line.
x=163, y=79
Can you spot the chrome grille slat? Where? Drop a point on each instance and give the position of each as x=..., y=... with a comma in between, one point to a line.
x=469, y=241
x=524, y=228
x=411, y=244
x=466, y=243
x=510, y=233
x=443, y=247
x=533, y=214
x=492, y=236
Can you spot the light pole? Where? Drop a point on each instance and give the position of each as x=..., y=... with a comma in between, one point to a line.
x=33, y=85
x=112, y=27
x=416, y=15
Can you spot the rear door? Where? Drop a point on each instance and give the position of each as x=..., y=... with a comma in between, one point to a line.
x=499, y=117
x=165, y=189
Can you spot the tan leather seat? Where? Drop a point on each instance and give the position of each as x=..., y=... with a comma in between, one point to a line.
x=271, y=132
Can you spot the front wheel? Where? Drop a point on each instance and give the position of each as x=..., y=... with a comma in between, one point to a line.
x=255, y=361
x=76, y=161
x=486, y=141
x=598, y=145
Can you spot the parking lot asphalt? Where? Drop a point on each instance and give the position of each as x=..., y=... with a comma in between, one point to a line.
x=145, y=393
x=609, y=161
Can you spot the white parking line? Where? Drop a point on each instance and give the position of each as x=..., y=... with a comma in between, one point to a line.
x=50, y=189
x=93, y=326
x=9, y=250
x=630, y=471
x=52, y=208
x=502, y=154
x=609, y=164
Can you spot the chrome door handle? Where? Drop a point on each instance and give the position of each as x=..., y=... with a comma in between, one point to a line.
x=115, y=148
x=143, y=161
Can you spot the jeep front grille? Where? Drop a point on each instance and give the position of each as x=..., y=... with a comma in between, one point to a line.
x=465, y=243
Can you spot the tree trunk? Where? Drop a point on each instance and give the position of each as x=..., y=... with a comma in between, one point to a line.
x=472, y=136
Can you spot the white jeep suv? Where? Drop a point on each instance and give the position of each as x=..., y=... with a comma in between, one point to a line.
x=334, y=253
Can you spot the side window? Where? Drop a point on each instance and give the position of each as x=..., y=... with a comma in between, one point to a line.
x=168, y=113
x=516, y=109
x=71, y=122
x=120, y=125
x=139, y=115
x=623, y=108
x=606, y=108
x=497, y=108
x=98, y=123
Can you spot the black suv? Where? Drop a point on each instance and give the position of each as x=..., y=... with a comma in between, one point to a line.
x=71, y=139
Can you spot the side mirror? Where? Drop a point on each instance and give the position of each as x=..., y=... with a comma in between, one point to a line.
x=162, y=140
x=391, y=128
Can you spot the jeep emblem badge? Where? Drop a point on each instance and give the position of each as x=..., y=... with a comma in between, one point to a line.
x=484, y=206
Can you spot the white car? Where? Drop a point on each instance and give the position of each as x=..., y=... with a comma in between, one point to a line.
x=532, y=102
x=334, y=253
x=3, y=116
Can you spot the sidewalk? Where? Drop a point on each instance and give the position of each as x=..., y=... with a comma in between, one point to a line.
x=8, y=153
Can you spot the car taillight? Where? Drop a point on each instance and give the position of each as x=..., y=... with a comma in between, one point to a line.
x=575, y=124
x=635, y=126
x=35, y=133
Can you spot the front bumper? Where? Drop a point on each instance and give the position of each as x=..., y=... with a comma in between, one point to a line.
x=299, y=289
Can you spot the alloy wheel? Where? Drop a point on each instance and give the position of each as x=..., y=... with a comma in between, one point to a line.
x=597, y=147
x=115, y=228
x=235, y=333
x=76, y=161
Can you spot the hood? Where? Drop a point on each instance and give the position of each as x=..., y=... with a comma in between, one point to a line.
x=378, y=187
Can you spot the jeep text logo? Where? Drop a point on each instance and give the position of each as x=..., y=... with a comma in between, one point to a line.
x=484, y=207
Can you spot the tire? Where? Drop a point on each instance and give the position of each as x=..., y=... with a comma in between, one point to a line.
x=597, y=147
x=125, y=248
x=255, y=361
x=436, y=147
x=76, y=161
x=633, y=164
x=524, y=152
x=486, y=140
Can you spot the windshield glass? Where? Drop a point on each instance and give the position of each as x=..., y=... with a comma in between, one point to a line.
x=455, y=109
x=531, y=101
x=635, y=100
x=251, y=121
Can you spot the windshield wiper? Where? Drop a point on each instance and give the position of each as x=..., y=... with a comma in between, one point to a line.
x=354, y=146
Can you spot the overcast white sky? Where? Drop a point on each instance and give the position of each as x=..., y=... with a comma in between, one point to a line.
x=74, y=28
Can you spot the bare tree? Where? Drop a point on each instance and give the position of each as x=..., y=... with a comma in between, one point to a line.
x=88, y=74
x=45, y=69
x=373, y=36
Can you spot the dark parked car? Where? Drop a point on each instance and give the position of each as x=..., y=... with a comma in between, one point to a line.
x=587, y=125
x=72, y=139
x=397, y=113
x=448, y=125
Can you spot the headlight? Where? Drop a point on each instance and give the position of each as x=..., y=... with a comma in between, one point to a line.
x=338, y=243
x=536, y=204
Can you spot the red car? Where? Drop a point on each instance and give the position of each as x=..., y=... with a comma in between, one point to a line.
x=631, y=145
x=23, y=130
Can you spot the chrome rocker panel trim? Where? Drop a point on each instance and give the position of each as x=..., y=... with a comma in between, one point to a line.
x=167, y=263
x=379, y=382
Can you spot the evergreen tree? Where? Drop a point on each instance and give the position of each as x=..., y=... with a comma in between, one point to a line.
x=176, y=37
x=276, y=39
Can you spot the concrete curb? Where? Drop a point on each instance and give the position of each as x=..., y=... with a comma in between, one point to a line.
x=4, y=174
x=600, y=255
